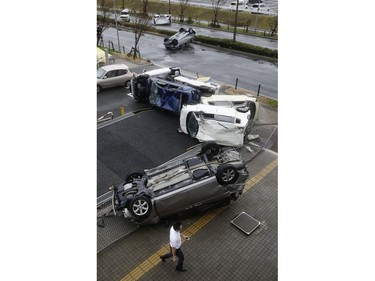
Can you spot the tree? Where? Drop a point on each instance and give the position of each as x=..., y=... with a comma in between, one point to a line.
x=144, y=6
x=141, y=23
x=183, y=5
x=104, y=21
x=216, y=6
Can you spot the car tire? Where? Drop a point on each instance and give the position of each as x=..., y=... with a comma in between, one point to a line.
x=127, y=84
x=210, y=149
x=140, y=207
x=133, y=176
x=98, y=89
x=174, y=42
x=226, y=174
x=190, y=30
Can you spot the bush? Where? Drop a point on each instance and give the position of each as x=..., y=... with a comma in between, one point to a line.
x=239, y=46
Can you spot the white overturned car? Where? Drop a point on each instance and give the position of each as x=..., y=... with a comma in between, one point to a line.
x=224, y=125
x=180, y=39
x=162, y=19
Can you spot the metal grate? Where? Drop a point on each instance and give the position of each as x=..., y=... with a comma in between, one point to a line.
x=245, y=222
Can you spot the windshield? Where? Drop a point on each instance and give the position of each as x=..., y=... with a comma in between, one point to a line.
x=192, y=124
x=99, y=73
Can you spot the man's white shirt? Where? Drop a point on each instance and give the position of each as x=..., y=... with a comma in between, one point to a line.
x=174, y=238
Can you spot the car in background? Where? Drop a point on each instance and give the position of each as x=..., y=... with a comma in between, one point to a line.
x=163, y=93
x=223, y=125
x=205, y=176
x=181, y=39
x=113, y=75
x=242, y=6
x=124, y=15
x=260, y=8
x=162, y=19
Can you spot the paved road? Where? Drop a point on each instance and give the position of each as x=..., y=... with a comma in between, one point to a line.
x=221, y=65
x=253, y=40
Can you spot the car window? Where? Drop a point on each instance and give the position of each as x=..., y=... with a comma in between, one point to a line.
x=111, y=73
x=100, y=72
x=192, y=125
x=121, y=72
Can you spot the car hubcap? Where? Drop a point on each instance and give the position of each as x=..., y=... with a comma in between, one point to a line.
x=140, y=207
x=228, y=175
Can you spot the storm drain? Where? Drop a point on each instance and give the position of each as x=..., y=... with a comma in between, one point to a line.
x=245, y=222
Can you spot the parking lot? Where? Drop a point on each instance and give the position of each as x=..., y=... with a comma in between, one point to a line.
x=143, y=138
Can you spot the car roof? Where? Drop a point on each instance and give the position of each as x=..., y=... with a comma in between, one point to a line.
x=114, y=66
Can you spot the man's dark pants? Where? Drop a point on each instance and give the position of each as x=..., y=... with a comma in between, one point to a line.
x=179, y=254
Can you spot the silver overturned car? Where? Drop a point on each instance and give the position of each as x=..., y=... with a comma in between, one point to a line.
x=204, y=176
x=180, y=39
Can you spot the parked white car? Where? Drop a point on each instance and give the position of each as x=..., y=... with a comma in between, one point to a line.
x=124, y=15
x=224, y=125
x=260, y=8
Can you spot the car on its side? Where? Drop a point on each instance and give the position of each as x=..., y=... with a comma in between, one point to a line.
x=204, y=176
x=113, y=75
x=162, y=19
x=182, y=38
x=223, y=125
x=163, y=93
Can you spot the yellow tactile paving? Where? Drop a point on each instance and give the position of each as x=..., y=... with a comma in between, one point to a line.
x=154, y=259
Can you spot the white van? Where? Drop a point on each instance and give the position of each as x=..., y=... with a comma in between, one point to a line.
x=242, y=6
x=124, y=15
x=260, y=8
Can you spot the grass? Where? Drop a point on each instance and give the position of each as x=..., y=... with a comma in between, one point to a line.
x=200, y=15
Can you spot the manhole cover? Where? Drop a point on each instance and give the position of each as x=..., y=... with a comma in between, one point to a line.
x=245, y=222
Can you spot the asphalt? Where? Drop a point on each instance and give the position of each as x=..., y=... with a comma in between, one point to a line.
x=217, y=250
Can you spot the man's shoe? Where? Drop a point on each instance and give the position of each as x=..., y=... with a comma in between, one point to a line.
x=181, y=270
x=163, y=260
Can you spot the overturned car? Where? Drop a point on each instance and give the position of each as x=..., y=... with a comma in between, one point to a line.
x=162, y=19
x=206, y=175
x=180, y=39
x=226, y=126
x=163, y=93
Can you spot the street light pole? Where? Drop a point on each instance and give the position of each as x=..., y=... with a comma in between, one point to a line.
x=118, y=38
x=235, y=24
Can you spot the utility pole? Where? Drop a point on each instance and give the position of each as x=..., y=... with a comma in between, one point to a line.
x=235, y=23
x=118, y=38
x=169, y=6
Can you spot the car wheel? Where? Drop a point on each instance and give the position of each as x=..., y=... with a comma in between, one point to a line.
x=98, y=88
x=140, y=207
x=226, y=174
x=133, y=176
x=210, y=149
x=174, y=42
x=127, y=84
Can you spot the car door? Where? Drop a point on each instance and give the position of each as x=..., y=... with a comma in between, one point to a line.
x=109, y=79
x=205, y=190
x=121, y=77
x=173, y=202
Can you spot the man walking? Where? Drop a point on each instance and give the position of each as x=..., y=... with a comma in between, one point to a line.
x=175, y=246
